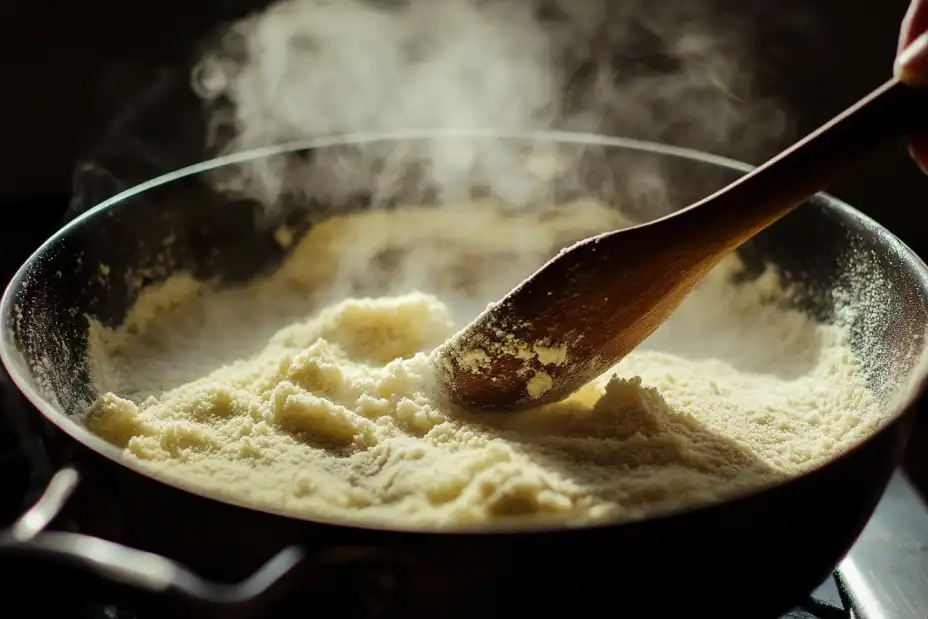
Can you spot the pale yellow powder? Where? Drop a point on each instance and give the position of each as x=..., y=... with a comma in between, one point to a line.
x=539, y=384
x=321, y=405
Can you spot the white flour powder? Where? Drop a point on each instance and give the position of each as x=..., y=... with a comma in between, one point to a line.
x=319, y=404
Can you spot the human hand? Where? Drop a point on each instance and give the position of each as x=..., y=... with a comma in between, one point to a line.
x=912, y=65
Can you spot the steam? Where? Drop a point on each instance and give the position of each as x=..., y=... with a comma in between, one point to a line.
x=674, y=72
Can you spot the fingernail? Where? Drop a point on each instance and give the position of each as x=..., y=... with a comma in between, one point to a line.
x=912, y=64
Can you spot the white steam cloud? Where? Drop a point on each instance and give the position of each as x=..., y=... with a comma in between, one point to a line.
x=668, y=71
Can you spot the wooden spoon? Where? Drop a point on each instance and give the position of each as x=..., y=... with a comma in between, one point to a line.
x=593, y=303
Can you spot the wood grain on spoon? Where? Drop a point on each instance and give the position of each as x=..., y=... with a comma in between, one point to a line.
x=593, y=303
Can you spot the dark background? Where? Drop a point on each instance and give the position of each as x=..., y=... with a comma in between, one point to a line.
x=72, y=68
x=75, y=69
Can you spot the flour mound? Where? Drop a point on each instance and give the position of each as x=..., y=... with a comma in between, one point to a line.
x=323, y=407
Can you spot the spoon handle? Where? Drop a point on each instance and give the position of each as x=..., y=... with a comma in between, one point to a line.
x=737, y=212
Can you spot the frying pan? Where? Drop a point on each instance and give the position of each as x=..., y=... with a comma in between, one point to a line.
x=164, y=548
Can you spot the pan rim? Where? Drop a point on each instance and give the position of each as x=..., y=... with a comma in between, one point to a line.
x=11, y=360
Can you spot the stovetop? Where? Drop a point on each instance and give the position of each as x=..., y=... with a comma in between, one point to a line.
x=885, y=576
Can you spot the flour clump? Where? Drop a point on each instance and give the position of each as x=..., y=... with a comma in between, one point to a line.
x=309, y=392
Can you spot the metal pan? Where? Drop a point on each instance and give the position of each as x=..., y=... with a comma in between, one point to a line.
x=161, y=545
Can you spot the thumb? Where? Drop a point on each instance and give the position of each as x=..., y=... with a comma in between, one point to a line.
x=912, y=62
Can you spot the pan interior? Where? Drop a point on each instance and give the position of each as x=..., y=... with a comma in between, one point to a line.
x=226, y=227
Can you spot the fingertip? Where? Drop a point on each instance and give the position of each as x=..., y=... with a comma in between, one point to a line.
x=912, y=64
x=918, y=149
x=914, y=23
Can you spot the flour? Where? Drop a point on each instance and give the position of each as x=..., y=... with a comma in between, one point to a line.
x=310, y=392
x=539, y=384
x=478, y=359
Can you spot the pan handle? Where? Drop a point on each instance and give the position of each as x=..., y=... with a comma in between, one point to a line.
x=137, y=569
